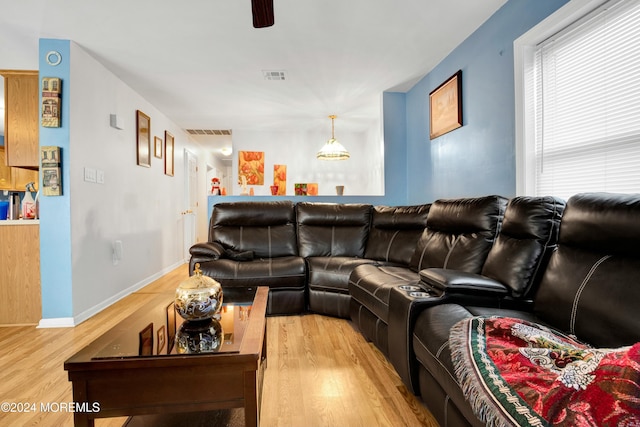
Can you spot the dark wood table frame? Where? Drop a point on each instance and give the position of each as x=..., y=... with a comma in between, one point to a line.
x=172, y=383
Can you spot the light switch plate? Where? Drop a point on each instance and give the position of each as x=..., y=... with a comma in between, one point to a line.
x=89, y=175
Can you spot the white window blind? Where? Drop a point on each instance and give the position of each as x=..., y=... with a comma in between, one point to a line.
x=587, y=104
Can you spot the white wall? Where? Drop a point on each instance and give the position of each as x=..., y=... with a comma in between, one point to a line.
x=361, y=174
x=137, y=205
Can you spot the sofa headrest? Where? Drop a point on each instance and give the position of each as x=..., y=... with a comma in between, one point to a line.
x=533, y=217
x=603, y=223
x=528, y=235
x=467, y=215
x=400, y=217
x=333, y=214
x=253, y=214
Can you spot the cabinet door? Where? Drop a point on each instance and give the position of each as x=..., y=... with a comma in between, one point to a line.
x=6, y=181
x=15, y=178
x=21, y=118
x=21, y=177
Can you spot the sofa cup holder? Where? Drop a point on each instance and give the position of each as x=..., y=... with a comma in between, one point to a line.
x=410, y=288
x=419, y=294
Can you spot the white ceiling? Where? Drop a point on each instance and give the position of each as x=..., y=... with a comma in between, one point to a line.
x=200, y=62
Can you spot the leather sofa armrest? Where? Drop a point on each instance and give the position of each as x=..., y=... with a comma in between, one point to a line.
x=459, y=282
x=207, y=250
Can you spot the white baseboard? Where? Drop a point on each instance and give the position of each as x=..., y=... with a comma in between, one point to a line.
x=57, y=322
x=69, y=322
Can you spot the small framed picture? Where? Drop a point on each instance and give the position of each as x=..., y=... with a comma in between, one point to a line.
x=146, y=341
x=157, y=147
x=162, y=339
x=168, y=153
x=143, y=139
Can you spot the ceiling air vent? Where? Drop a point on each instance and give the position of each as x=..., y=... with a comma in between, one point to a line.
x=273, y=75
x=209, y=131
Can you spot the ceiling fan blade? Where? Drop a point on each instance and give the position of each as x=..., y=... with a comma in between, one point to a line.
x=262, y=13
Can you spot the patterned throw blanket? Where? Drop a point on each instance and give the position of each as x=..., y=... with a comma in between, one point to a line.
x=519, y=373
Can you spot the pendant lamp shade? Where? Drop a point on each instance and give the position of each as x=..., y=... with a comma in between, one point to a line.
x=332, y=149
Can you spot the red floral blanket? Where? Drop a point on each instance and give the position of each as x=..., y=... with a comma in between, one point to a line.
x=519, y=373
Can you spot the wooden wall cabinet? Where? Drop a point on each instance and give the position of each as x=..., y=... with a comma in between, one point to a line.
x=21, y=118
x=15, y=179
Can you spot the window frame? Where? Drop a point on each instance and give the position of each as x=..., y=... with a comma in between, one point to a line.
x=524, y=49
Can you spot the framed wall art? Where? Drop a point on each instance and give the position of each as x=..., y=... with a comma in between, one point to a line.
x=143, y=139
x=51, y=96
x=50, y=170
x=280, y=179
x=445, y=106
x=251, y=166
x=168, y=153
x=157, y=147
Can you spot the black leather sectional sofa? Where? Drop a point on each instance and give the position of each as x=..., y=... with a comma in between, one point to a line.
x=405, y=275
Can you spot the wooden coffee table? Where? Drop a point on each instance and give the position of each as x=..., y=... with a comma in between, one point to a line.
x=135, y=368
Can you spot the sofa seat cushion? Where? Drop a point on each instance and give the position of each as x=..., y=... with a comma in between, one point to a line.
x=371, y=285
x=431, y=341
x=277, y=273
x=332, y=273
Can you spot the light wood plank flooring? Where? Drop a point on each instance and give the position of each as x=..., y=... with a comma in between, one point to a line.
x=320, y=372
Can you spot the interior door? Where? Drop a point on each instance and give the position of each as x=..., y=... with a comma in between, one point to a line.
x=189, y=215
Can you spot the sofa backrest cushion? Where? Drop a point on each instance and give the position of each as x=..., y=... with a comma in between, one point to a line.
x=332, y=229
x=591, y=287
x=528, y=235
x=395, y=231
x=266, y=228
x=459, y=233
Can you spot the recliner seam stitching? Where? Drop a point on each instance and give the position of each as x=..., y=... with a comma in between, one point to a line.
x=389, y=245
x=576, y=299
x=446, y=343
x=438, y=360
x=455, y=242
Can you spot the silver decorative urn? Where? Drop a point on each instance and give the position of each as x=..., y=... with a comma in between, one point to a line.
x=199, y=297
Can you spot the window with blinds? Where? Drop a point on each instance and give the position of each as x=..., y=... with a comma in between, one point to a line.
x=587, y=104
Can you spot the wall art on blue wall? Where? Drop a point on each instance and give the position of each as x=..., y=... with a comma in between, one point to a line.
x=445, y=105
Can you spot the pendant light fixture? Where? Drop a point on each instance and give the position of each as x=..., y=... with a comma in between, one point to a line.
x=332, y=149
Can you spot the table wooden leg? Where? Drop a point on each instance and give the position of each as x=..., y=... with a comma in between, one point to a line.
x=251, y=407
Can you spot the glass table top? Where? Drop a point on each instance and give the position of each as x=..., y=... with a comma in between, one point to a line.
x=156, y=330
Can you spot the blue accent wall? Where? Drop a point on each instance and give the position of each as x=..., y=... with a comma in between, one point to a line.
x=478, y=158
x=55, y=211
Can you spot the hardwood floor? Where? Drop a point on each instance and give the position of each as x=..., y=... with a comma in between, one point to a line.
x=320, y=372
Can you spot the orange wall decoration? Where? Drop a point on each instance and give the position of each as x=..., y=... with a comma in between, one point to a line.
x=251, y=165
x=280, y=178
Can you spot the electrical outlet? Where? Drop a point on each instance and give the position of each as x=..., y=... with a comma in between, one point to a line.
x=117, y=252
